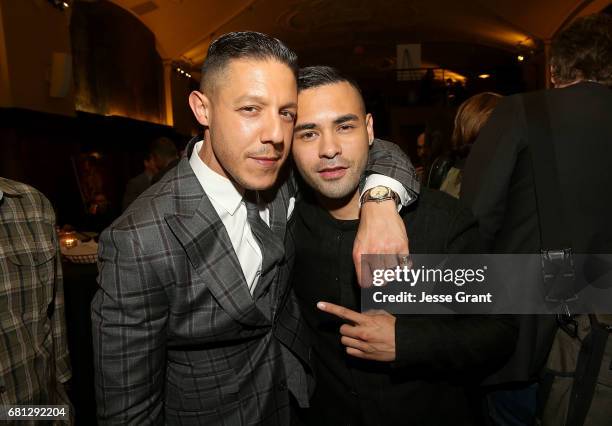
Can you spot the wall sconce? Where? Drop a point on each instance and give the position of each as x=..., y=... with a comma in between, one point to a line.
x=61, y=4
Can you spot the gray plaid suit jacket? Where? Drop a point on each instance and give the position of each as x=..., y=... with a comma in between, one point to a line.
x=178, y=338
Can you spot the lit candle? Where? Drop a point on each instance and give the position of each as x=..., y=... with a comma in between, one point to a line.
x=70, y=242
x=69, y=239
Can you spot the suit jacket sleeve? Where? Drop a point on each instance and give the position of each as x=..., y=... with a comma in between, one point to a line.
x=386, y=158
x=489, y=167
x=474, y=344
x=129, y=314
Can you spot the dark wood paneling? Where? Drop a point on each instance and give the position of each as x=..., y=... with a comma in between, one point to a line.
x=37, y=148
x=117, y=70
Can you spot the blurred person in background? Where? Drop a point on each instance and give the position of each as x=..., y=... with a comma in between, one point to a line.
x=165, y=156
x=471, y=116
x=437, y=158
x=422, y=152
x=574, y=127
x=138, y=184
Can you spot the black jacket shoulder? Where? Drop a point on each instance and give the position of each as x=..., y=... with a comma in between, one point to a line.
x=438, y=223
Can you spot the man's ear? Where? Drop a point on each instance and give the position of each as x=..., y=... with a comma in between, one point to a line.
x=370, y=128
x=200, y=105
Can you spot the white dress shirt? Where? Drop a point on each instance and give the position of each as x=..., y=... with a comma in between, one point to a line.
x=382, y=180
x=230, y=206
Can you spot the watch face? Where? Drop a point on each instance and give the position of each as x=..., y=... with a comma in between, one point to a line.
x=379, y=192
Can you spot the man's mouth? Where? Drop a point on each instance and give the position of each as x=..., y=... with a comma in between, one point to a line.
x=266, y=161
x=330, y=173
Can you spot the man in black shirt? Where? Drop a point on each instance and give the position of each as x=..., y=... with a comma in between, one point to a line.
x=376, y=368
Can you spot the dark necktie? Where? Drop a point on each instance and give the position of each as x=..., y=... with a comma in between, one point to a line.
x=272, y=247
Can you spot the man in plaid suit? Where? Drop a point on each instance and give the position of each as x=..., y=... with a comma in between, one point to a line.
x=194, y=322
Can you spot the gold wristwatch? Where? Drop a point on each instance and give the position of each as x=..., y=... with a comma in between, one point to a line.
x=380, y=193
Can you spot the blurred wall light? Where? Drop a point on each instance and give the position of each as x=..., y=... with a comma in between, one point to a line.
x=61, y=4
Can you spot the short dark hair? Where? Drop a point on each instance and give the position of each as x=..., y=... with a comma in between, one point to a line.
x=584, y=51
x=322, y=75
x=244, y=45
x=163, y=147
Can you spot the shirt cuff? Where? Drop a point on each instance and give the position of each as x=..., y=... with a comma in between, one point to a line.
x=381, y=180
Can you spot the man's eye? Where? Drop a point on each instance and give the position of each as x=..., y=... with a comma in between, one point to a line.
x=289, y=115
x=249, y=109
x=346, y=127
x=307, y=136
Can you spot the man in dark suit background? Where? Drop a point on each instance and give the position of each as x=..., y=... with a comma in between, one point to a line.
x=194, y=322
x=376, y=369
x=166, y=157
x=139, y=183
x=161, y=157
x=499, y=184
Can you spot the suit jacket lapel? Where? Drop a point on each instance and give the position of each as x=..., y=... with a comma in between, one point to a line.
x=204, y=238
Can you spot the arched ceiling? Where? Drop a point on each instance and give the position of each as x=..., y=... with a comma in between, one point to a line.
x=184, y=28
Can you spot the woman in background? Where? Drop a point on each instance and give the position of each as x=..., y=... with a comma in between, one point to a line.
x=471, y=116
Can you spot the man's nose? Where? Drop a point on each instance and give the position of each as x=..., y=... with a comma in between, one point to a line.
x=273, y=129
x=329, y=147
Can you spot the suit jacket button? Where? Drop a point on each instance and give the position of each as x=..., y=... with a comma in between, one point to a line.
x=282, y=386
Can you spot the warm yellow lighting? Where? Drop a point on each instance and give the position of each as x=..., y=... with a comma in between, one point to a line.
x=65, y=4
x=178, y=70
x=444, y=74
x=520, y=58
x=68, y=239
x=484, y=76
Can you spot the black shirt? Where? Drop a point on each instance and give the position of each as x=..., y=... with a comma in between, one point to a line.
x=417, y=389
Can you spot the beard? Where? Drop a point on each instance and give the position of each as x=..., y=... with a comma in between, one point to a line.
x=341, y=187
